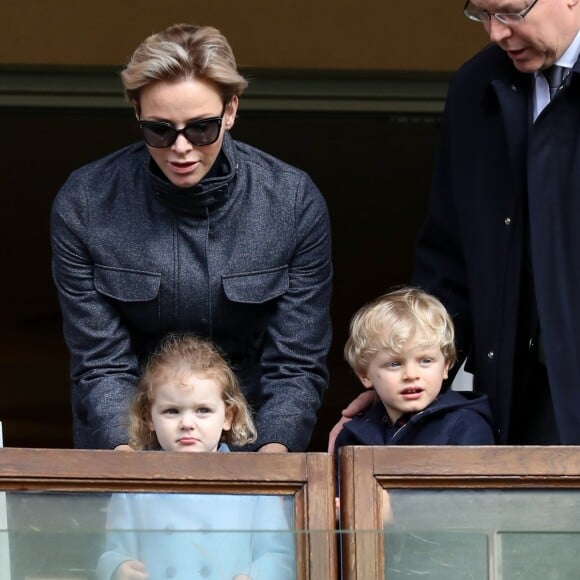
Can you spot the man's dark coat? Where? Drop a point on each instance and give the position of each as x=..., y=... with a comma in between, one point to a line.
x=471, y=249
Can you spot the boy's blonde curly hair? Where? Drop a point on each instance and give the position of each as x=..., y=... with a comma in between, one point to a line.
x=389, y=321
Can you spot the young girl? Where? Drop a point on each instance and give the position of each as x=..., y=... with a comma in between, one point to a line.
x=188, y=400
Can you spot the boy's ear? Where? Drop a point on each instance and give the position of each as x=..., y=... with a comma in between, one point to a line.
x=364, y=379
x=446, y=370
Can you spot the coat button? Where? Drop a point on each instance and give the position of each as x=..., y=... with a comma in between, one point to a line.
x=507, y=221
x=490, y=354
x=514, y=88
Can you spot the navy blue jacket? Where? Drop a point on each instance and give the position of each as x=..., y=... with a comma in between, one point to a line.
x=471, y=249
x=452, y=419
x=242, y=259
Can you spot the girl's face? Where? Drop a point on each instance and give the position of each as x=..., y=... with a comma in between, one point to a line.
x=188, y=413
x=179, y=103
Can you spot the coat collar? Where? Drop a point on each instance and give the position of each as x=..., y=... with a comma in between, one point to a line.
x=211, y=192
x=511, y=90
x=370, y=428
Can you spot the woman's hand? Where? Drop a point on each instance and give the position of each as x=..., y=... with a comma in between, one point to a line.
x=273, y=448
x=131, y=570
x=123, y=448
x=360, y=404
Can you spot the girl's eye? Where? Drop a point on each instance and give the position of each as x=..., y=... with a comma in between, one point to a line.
x=204, y=410
x=393, y=364
x=170, y=411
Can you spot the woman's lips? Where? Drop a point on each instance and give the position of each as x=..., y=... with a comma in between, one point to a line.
x=183, y=166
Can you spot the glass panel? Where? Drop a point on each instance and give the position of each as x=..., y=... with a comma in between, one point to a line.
x=179, y=536
x=540, y=556
x=482, y=534
x=54, y=535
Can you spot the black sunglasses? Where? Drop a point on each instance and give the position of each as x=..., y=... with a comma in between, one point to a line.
x=198, y=133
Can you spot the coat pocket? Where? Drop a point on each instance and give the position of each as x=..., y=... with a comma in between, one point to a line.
x=256, y=287
x=135, y=293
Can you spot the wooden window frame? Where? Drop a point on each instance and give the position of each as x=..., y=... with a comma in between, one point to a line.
x=307, y=477
x=366, y=472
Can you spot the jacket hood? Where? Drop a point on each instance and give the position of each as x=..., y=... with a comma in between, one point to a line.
x=370, y=428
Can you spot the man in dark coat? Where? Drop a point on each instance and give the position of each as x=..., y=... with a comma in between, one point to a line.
x=500, y=246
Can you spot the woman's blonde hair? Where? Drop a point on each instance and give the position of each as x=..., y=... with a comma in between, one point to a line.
x=180, y=52
x=389, y=321
x=187, y=352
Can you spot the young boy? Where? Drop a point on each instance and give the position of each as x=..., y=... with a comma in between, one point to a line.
x=401, y=345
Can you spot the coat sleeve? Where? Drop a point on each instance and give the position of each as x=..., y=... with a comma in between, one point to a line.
x=273, y=540
x=471, y=428
x=294, y=374
x=121, y=540
x=104, y=368
x=440, y=266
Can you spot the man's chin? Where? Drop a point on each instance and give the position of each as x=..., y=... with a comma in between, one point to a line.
x=526, y=63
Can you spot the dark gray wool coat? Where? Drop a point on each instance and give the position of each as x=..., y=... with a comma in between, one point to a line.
x=243, y=259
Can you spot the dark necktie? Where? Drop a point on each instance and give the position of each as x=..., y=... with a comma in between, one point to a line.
x=555, y=76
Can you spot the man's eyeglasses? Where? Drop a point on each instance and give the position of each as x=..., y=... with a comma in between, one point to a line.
x=199, y=133
x=478, y=15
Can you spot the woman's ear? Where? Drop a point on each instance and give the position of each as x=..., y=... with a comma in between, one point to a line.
x=231, y=112
x=137, y=109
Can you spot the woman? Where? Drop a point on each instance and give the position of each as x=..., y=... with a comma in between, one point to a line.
x=192, y=231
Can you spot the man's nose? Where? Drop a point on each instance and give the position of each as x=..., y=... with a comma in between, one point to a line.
x=497, y=30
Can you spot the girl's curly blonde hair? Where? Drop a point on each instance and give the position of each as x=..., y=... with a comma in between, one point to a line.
x=192, y=354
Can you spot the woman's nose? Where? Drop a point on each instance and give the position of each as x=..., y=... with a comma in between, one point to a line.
x=181, y=144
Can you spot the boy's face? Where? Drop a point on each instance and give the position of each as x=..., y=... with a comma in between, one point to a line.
x=188, y=413
x=407, y=382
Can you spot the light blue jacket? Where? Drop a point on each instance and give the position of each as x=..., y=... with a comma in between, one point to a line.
x=191, y=536
x=242, y=259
